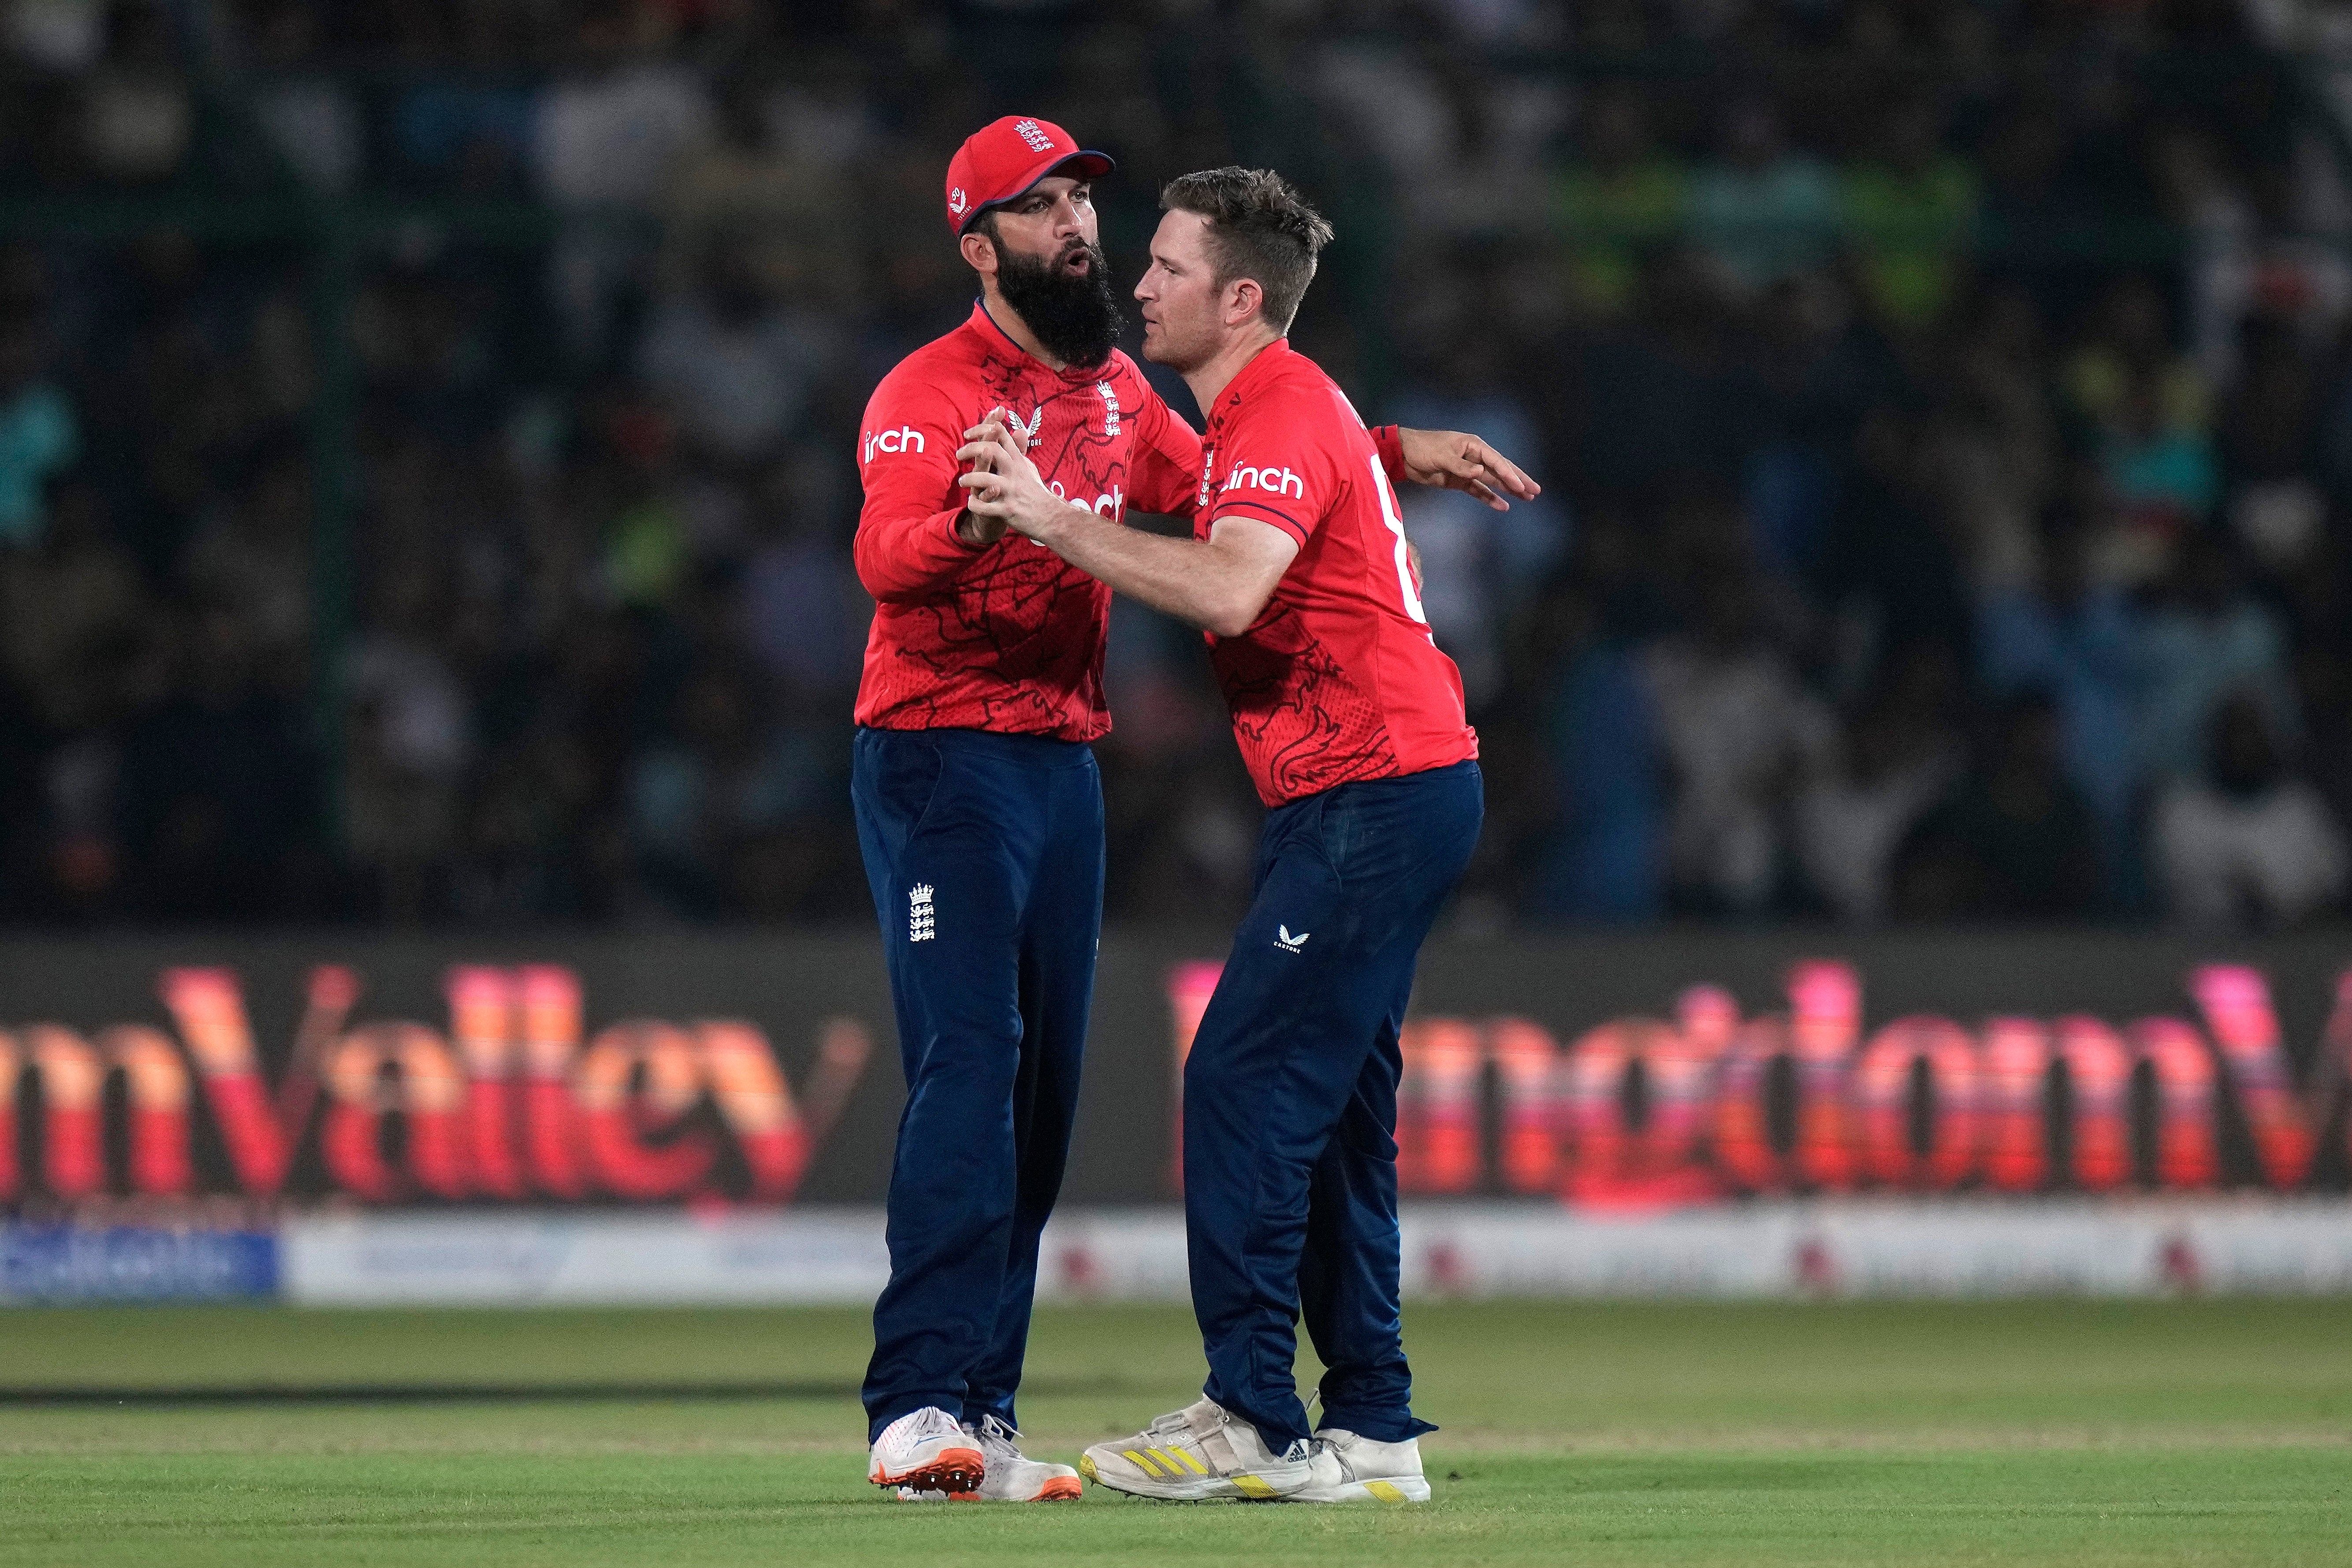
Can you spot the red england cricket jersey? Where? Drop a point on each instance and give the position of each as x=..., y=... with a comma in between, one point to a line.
x=1007, y=637
x=1338, y=680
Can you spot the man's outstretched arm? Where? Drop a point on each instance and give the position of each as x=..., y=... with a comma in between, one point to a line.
x=1167, y=467
x=1220, y=583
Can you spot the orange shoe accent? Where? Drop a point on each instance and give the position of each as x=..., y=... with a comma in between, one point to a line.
x=1061, y=1488
x=955, y=1471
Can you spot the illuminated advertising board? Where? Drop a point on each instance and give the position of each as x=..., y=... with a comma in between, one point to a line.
x=512, y=1102
x=737, y=1070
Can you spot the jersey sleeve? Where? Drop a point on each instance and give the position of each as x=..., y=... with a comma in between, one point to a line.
x=907, y=545
x=1164, y=476
x=1386, y=442
x=1287, y=466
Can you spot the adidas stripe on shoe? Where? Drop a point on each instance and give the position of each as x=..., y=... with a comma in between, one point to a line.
x=1200, y=1452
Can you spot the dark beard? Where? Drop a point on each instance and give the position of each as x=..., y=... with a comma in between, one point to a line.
x=1077, y=320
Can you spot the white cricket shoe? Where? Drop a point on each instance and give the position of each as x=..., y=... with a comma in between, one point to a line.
x=1012, y=1476
x=1199, y=1452
x=1366, y=1471
x=929, y=1450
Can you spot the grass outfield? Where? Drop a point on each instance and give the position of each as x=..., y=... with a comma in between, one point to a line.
x=2062, y=1433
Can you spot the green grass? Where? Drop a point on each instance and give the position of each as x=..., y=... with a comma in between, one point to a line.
x=2063, y=1432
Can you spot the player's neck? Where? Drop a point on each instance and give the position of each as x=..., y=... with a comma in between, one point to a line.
x=1008, y=321
x=1212, y=378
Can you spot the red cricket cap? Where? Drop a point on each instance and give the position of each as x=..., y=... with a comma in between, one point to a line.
x=1003, y=159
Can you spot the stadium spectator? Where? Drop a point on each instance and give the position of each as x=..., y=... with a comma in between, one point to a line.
x=2012, y=841
x=2070, y=634
x=217, y=802
x=2250, y=843
x=608, y=138
x=1738, y=735
x=2205, y=638
x=2269, y=451
x=1623, y=198
x=735, y=355
x=39, y=435
x=1894, y=762
x=1761, y=211
x=2149, y=409
x=310, y=116
x=138, y=113
x=1889, y=572
x=1907, y=206
x=1478, y=566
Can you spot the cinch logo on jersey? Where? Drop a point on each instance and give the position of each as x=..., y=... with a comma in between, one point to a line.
x=905, y=438
x=1112, y=506
x=1038, y=141
x=918, y=912
x=1281, y=481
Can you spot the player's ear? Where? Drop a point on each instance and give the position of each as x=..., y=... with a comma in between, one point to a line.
x=978, y=253
x=1243, y=298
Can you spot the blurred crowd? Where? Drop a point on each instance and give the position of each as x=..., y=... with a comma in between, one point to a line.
x=426, y=432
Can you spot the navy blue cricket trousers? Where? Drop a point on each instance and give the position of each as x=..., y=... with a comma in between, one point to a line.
x=1290, y=1098
x=985, y=856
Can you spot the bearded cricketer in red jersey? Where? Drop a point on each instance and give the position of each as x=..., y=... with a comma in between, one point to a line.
x=979, y=808
x=1351, y=720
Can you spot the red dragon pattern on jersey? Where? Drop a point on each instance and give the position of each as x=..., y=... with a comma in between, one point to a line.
x=1008, y=637
x=1338, y=680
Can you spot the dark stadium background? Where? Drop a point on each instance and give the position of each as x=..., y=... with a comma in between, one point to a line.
x=426, y=474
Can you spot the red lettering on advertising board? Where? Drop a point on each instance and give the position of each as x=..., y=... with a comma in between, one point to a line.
x=1642, y=1111
x=2236, y=1002
x=506, y=1106
x=384, y=1069
x=1612, y=1161
x=72, y=1074
x=482, y=1001
x=1885, y=1077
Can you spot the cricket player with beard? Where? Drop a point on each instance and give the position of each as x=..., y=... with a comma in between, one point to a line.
x=1351, y=720
x=979, y=807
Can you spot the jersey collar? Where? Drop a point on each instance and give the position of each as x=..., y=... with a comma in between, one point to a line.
x=986, y=325
x=1262, y=365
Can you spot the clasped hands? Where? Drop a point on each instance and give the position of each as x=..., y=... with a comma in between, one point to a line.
x=1003, y=490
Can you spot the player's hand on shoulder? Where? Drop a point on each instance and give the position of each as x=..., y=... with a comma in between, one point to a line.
x=1458, y=460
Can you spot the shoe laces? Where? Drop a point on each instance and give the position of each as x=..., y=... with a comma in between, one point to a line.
x=1339, y=1456
x=998, y=1439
